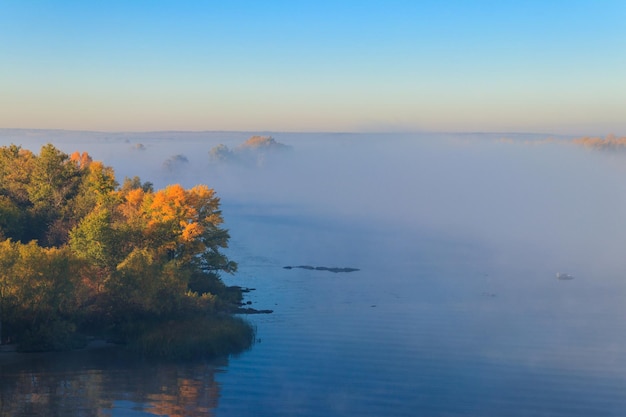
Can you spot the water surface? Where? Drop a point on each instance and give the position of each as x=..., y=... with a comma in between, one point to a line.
x=455, y=309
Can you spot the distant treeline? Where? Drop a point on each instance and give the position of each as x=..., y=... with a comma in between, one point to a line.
x=83, y=255
x=610, y=142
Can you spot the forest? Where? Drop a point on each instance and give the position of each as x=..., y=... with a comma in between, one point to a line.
x=83, y=256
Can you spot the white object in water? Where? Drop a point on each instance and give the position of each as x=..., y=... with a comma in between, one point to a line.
x=563, y=275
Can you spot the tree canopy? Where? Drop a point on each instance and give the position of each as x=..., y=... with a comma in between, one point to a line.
x=80, y=253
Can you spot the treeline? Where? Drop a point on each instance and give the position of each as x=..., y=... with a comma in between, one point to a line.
x=83, y=255
x=610, y=142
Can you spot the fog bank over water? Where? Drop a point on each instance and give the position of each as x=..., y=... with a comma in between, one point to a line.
x=534, y=200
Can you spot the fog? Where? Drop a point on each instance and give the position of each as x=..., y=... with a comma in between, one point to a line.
x=463, y=219
x=549, y=203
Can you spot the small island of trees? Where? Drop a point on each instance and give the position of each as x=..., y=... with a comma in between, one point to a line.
x=82, y=256
x=609, y=143
x=254, y=151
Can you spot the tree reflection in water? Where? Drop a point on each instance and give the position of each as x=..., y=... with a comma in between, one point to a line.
x=94, y=383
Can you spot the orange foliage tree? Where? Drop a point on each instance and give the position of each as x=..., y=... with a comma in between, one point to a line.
x=74, y=245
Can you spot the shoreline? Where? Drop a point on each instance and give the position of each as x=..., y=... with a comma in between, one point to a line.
x=8, y=350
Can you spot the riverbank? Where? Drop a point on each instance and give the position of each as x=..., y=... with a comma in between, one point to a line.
x=94, y=344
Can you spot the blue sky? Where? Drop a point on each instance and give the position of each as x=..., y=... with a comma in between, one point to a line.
x=541, y=66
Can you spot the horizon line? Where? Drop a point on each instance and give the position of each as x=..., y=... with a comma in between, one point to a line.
x=330, y=132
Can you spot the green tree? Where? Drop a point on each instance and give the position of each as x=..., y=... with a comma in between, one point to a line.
x=45, y=282
x=95, y=240
x=134, y=285
x=54, y=179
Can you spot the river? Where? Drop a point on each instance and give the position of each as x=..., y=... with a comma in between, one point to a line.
x=439, y=320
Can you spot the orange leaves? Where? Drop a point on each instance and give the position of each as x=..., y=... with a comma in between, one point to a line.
x=175, y=204
x=134, y=198
x=191, y=232
x=81, y=160
x=206, y=204
x=166, y=204
x=200, y=196
x=172, y=219
x=131, y=203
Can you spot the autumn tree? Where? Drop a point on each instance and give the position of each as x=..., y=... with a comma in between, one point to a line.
x=76, y=248
x=155, y=246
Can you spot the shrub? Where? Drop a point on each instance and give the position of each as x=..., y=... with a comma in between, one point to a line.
x=54, y=335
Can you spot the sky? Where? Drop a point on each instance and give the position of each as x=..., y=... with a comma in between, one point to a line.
x=457, y=65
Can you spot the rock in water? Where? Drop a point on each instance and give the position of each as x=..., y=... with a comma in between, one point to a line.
x=322, y=268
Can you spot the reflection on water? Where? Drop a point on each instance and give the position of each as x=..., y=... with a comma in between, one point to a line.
x=105, y=382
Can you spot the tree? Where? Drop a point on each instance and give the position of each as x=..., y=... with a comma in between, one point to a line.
x=53, y=183
x=45, y=280
x=11, y=218
x=54, y=179
x=9, y=255
x=80, y=250
x=135, y=284
x=16, y=164
x=15, y=168
x=95, y=240
x=135, y=183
